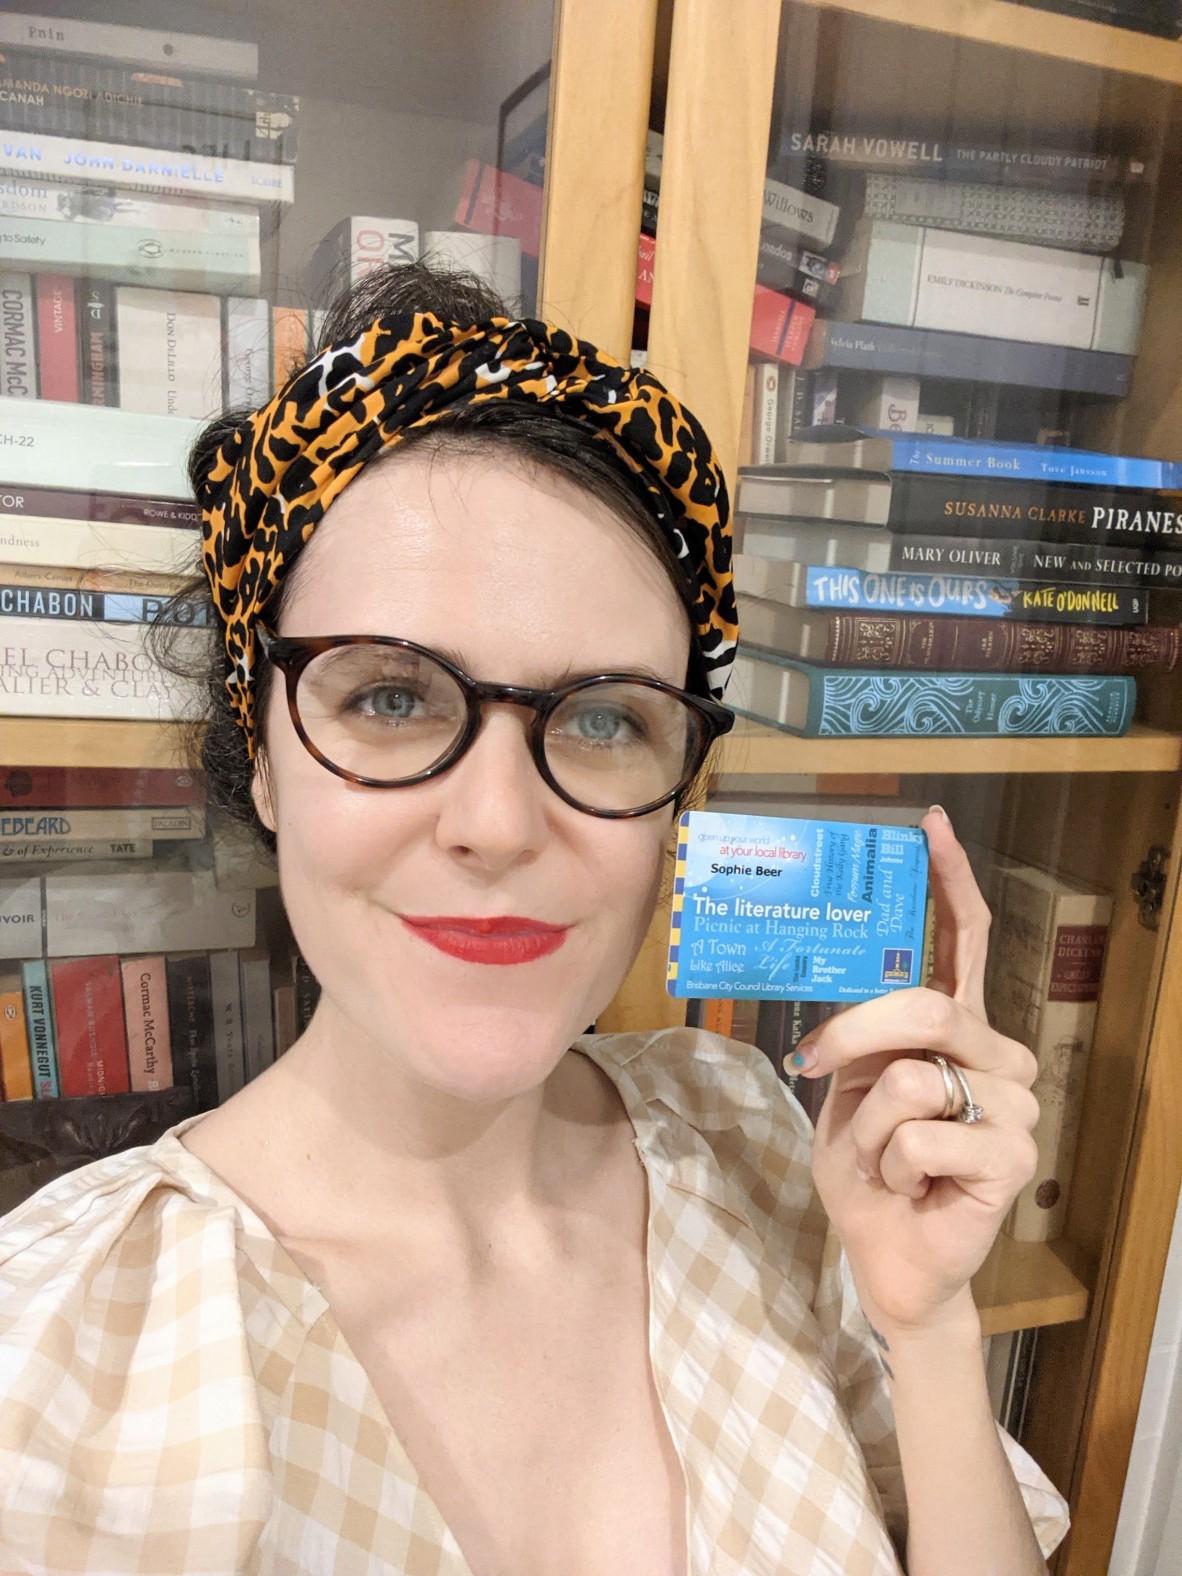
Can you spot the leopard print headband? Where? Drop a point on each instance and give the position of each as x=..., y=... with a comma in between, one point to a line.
x=272, y=480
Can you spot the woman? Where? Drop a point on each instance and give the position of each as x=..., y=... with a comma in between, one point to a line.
x=455, y=1287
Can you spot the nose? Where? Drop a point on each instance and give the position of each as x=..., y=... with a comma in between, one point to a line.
x=493, y=801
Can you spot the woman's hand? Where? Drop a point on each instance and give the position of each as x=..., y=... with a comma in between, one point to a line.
x=917, y=1201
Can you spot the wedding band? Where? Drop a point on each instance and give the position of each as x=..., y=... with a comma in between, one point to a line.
x=949, y=1086
x=970, y=1111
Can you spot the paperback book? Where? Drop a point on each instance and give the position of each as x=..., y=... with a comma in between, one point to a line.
x=92, y=449
x=138, y=168
x=138, y=46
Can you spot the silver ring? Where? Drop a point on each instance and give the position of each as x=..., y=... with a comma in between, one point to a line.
x=970, y=1111
x=949, y=1086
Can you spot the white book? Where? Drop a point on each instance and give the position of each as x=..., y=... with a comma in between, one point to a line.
x=47, y=443
x=53, y=669
x=20, y=917
x=166, y=822
x=829, y=545
x=69, y=851
x=126, y=911
x=356, y=246
x=225, y=988
x=258, y=1026
x=170, y=351
x=765, y=413
x=770, y=579
x=95, y=206
x=139, y=46
x=890, y=404
x=100, y=545
x=804, y=636
x=246, y=332
x=785, y=493
x=18, y=341
x=144, y=169
x=141, y=254
x=494, y=258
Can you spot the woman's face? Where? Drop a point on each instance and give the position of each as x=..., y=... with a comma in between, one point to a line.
x=522, y=579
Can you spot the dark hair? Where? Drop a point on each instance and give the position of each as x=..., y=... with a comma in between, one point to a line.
x=536, y=434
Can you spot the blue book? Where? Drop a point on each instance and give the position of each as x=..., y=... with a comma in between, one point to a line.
x=844, y=703
x=968, y=596
x=42, y=1030
x=839, y=447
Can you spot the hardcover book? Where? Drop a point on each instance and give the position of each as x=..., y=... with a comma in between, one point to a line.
x=999, y=165
x=51, y=669
x=33, y=824
x=1074, y=221
x=16, y=1072
x=59, y=503
x=91, y=1036
x=97, y=787
x=31, y=851
x=818, y=702
x=111, y=607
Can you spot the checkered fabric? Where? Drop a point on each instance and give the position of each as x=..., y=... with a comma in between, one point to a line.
x=176, y=1397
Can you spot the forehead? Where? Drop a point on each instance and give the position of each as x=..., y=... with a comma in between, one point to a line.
x=491, y=558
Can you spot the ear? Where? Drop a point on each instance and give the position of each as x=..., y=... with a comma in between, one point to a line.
x=260, y=792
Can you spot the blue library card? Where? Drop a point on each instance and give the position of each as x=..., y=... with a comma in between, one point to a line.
x=796, y=910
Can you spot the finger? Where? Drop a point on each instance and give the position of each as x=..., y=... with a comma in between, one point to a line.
x=962, y=916
x=992, y=1164
x=914, y=1091
x=912, y=1020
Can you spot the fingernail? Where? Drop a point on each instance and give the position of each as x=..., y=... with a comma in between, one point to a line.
x=803, y=1057
x=938, y=809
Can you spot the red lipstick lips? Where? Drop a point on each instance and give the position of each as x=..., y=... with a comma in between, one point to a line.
x=502, y=939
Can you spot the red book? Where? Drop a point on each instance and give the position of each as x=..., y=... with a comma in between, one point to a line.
x=97, y=787
x=57, y=337
x=92, y=1040
x=499, y=204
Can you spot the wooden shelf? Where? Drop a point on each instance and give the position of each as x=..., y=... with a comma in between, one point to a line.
x=1022, y=1284
x=1024, y=28
x=753, y=748
x=68, y=741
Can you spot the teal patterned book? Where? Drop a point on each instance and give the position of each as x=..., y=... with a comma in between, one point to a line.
x=842, y=703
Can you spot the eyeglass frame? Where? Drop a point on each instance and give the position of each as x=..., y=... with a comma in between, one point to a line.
x=292, y=654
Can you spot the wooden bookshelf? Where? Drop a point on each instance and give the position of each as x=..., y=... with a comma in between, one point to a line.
x=1024, y=28
x=1022, y=1284
x=752, y=747
x=68, y=741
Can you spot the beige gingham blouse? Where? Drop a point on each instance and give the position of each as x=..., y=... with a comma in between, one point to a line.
x=176, y=1397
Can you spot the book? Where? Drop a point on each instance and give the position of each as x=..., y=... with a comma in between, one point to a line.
x=170, y=351
x=962, y=596
x=258, y=1029
x=818, y=703
x=284, y=1016
x=16, y=1072
x=970, y=645
x=143, y=911
x=307, y=991
x=1030, y=166
x=57, y=850
x=891, y=402
x=141, y=46
x=22, y=917
x=777, y=492
x=111, y=607
x=357, y=245
x=18, y=337
x=765, y=403
x=1091, y=221
x=912, y=276
x=60, y=503
x=145, y=1008
x=226, y=999
x=98, y=348
x=97, y=787
x=34, y=824
x=46, y=444
x=190, y=1027
x=108, y=102
x=137, y=168
x=494, y=258
x=88, y=1018
x=54, y=669
x=39, y=1022
x=928, y=353
x=99, y=546
x=1042, y=986
x=785, y=209
x=247, y=357
x=853, y=448
x=56, y=299
x=289, y=341
x=178, y=260
x=92, y=205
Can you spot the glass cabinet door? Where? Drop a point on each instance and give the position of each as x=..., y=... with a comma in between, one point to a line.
x=960, y=548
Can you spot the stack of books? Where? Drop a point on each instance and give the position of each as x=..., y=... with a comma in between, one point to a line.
x=910, y=586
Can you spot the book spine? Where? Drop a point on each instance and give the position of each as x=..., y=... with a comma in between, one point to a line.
x=891, y=404
x=92, y=207
x=57, y=337
x=872, y=347
x=352, y=250
x=88, y=1015
x=49, y=669
x=1030, y=462
x=1048, y=512
x=98, y=354
x=765, y=413
x=160, y=909
x=145, y=169
x=1052, y=167
x=42, y=1039
x=160, y=258
x=784, y=207
x=289, y=336
x=139, y=46
x=246, y=351
x=34, y=824
x=226, y=988
x=284, y=1017
x=1072, y=221
x=190, y=1027
x=258, y=1029
x=867, y=640
x=61, y=504
x=972, y=597
x=16, y=1071
x=94, y=449
x=1057, y=563
x=914, y=277
x=170, y=352
x=82, y=544
x=96, y=787
x=307, y=988
x=22, y=917
x=72, y=850
x=18, y=352
x=145, y=1006
x=782, y=264
x=22, y=601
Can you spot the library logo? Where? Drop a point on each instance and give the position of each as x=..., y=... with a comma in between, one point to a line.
x=896, y=966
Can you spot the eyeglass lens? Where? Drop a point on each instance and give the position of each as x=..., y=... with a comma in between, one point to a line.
x=390, y=714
